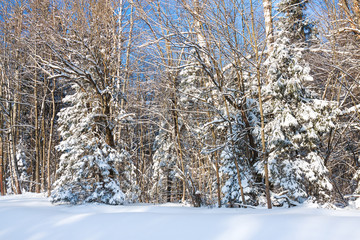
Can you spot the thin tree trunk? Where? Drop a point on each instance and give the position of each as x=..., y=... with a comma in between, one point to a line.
x=37, y=142
x=168, y=187
x=118, y=45
x=180, y=154
x=43, y=134
x=217, y=168
x=127, y=63
x=9, y=155
x=141, y=159
x=43, y=145
x=266, y=170
x=218, y=183
x=1, y=168
x=50, y=138
x=2, y=162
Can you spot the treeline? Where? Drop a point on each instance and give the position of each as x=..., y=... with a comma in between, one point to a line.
x=227, y=102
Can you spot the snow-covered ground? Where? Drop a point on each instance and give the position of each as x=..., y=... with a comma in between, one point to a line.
x=32, y=216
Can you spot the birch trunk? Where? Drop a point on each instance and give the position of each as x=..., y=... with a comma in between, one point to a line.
x=268, y=24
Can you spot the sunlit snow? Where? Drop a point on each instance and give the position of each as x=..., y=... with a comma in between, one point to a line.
x=32, y=216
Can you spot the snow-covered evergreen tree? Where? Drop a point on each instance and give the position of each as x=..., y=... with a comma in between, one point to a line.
x=294, y=22
x=193, y=87
x=164, y=158
x=87, y=170
x=175, y=145
x=23, y=165
x=225, y=120
x=198, y=98
x=231, y=187
x=235, y=150
x=294, y=120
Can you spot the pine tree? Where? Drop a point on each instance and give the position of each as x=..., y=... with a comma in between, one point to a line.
x=87, y=170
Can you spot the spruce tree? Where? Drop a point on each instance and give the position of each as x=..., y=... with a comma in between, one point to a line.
x=294, y=119
x=87, y=170
x=164, y=158
x=236, y=149
x=294, y=22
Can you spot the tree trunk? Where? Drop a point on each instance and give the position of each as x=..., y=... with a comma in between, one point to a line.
x=50, y=138
x=43, y=143
x=218, y=187
x=109, y=137
x=179, y=151
x=258, y=74
x=2, y=162
x=14, y=166
x=37, y=140
x=168, y=187
x=12, y=109
x=1, y=168
x=268, y=24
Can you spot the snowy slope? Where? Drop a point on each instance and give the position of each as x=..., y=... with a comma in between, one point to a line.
x=32, y=216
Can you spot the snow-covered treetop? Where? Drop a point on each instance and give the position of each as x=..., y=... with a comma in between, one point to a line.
x=292, y=23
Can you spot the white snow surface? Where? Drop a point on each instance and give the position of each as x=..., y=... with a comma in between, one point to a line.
x=32, y=217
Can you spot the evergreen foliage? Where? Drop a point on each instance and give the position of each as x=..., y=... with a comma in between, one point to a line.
x=170, y=102
x=87, y=170
x=236, y=149
x=294, y=120
x=293, y=21
x=165, y=158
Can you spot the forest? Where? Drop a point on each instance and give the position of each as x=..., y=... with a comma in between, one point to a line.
x=234, y=103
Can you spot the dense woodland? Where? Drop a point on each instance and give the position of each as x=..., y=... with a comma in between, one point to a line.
x=212, y=102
